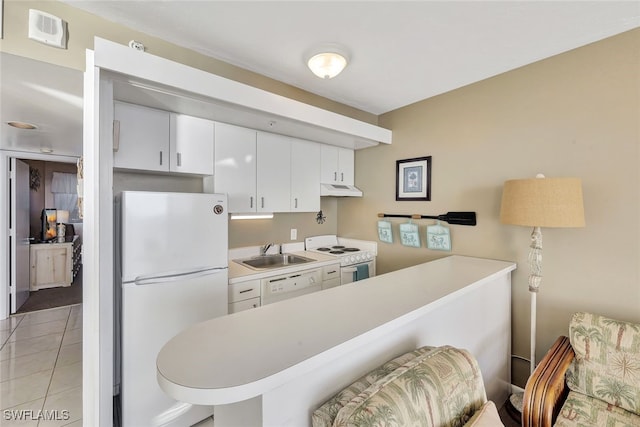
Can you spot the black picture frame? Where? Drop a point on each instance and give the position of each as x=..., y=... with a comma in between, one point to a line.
x=413, y=179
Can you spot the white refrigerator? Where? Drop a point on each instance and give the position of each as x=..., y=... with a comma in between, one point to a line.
x=173, y=266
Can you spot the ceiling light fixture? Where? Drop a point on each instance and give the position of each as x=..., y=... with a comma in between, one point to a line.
x=327, y=61
x=22, y=125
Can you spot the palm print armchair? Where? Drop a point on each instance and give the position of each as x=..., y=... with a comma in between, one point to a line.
x=428, y=387
x=591, y=378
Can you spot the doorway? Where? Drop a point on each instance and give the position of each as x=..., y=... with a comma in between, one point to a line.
x=53, y=262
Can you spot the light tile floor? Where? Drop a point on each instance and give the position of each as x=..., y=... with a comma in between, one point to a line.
x=41, y=368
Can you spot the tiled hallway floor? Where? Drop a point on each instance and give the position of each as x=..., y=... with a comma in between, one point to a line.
x=41, y=368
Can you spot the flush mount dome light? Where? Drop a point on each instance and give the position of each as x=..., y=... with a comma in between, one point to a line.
x=22, y=125
x=327, y=62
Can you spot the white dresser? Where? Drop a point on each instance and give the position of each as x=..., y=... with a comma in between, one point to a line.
x=54, y=264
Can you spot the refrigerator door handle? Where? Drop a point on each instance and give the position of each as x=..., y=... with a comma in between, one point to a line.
x=172, y=277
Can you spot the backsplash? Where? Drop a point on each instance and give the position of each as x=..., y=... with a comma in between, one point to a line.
x=278, y=229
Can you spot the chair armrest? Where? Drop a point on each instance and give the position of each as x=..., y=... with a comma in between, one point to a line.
x=546, y=389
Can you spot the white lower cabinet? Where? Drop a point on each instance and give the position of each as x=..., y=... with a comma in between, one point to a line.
x=244, y=296
x=331, y=276
x=247, y=304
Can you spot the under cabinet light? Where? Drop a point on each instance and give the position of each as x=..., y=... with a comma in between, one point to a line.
x=252, y=216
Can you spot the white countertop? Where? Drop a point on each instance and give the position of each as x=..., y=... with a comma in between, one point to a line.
x=246, y=354
x=239, y=273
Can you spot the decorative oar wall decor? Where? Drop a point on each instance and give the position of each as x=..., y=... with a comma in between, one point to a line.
x=457, y=218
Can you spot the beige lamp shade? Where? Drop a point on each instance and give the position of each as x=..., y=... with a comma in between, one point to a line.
x=543, y=202
x=63, y=216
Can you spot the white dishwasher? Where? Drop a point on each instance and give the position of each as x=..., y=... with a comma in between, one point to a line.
x=278, y=288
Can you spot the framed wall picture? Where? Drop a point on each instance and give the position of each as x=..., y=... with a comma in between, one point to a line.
x=413, y=179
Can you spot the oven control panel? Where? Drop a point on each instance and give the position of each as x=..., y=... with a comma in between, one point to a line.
x=356, y=258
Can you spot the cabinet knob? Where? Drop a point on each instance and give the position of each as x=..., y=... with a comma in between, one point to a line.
x=179, y=159
x=251, y=201
x=161, y=158
x=262, y=202
x=296, y=203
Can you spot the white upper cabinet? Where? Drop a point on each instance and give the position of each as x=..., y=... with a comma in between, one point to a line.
x=144, y=138
x=235, y=166
x=273, y=173
x=266, y=172
x=191, y=145
x=337, y=165
x=156, y=140
x=305, y=176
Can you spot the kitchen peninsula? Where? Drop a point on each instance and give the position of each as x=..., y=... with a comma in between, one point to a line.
x=274, y=365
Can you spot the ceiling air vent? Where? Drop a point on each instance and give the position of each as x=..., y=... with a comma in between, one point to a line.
x=48, y=29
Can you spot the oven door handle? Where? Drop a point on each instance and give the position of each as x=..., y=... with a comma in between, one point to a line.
x=352, y=271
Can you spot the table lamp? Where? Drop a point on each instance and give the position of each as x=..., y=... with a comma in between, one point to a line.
x=540, y=202
x=63, y=217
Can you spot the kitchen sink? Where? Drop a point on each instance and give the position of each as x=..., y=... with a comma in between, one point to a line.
x=265, y=262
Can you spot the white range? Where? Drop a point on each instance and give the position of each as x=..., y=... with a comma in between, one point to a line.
x=357, y=257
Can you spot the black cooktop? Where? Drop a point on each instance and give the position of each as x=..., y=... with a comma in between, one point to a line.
x=337, y=249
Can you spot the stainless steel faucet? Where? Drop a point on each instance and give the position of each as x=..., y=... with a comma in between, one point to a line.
x=265, y=248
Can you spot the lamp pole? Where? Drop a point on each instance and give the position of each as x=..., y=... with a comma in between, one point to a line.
x=535, y=278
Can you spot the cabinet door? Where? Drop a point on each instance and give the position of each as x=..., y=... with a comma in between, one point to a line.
x=235, y=166
x=191, y=145
x=50, y=266
x=346, y=167
x=244, y=290
x=328, y=164
x=274, y=173
x=144, y=138
x=305, y=176
x=337, y=165
x=248, y=304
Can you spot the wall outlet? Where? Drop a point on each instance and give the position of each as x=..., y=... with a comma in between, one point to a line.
x=294, y=234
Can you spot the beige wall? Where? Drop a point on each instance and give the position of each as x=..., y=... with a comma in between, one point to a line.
x=576, y=114
x=278, y=230
x=83, y=27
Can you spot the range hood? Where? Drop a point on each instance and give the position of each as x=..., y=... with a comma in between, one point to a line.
x=340, y=190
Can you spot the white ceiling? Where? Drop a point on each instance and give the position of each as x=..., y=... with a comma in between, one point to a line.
x=401, y=51
x=46, y=95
